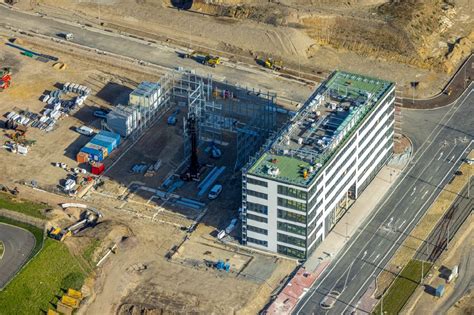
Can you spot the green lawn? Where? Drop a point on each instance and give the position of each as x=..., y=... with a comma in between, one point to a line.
x=2, y=247
x=89, y=251
x=41, y=281
x=402, y=288
x=13, y=203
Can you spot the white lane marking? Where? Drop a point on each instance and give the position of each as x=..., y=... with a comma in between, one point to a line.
x=440, y=155
x=402, y=224
x=376, y=257
x=413, y=192
x=454, y=109
x=424, y=194
x=406, y=228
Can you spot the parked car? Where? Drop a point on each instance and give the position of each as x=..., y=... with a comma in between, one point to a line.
x=215, y=191
x=100, y=114
x=86, y=131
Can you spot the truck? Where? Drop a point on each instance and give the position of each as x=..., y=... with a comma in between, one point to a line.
x=66, y=35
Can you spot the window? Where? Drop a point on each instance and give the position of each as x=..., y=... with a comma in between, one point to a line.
x=256, y=241
x=292, y=192
x=290, y=251
x=291, y=240
x=256, y=218
x=257, y=230
x=292, y=228
x=290, y=216
x=292, y=204
x=256, y=207
x=257, y=194
x=256, y=182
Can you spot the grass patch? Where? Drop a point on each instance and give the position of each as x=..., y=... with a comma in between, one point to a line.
x=2, y=248
x=90, y=249
x=42, y=280
x=37, y=232
x=13, y=203
x=403, y=287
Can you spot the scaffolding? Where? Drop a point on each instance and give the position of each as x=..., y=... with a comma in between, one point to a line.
x=223, y=108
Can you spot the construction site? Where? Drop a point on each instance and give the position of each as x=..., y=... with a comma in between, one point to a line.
x=137, y=164
x=183, y=136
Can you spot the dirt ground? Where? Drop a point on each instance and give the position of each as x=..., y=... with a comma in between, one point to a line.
x=137, y=276
x=402, y=41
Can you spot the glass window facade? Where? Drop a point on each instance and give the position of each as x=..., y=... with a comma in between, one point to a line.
x=292, y=204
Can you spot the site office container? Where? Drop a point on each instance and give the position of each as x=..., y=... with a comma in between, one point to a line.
x=112, y=135
x=104, y=150
x=111, y=141
x=107, y=145
x=97, y=168
x=82, y=157
x=94, y=154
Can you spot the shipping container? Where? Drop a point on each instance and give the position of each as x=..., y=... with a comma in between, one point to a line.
x=109, y=134
x=104, y=150
x=107, y=145
x=110, y=141
x=94, y=154
x=122, y=120
x=82, y=157
x=97, y=168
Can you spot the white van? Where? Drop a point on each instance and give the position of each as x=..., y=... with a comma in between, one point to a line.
x=215, y=191
x=84, y=130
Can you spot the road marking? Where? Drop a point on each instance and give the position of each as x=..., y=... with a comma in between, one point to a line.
x=413, y=163
x=424, y=195
x=402, y=224
x=440, y=155
x=413, y=192
x=376, y=257
x=399, y=237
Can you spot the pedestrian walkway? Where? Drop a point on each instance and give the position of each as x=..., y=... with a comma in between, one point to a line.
x=358, y=212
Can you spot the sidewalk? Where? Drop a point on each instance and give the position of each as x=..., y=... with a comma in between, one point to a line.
x=360, y=210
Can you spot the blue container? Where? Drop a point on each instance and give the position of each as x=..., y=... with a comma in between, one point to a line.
x=113, y=135
x=112, y=141
x=94, y=154
x=102, y=143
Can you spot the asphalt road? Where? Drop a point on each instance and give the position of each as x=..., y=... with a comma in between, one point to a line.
x=154, y=53
x=18, y=246
x=458, y=83
x=437, y=241
x=366, y=254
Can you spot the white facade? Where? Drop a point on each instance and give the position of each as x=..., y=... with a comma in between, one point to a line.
x=297, y=229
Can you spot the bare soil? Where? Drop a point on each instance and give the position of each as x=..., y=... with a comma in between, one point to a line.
x=397, y=40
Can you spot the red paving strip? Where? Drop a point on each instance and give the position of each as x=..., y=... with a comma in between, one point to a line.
x=287, y=299
x=368, y=302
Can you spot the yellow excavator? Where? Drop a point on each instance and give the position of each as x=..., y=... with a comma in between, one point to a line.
x=204, y=58
x=270, y=63
x=89, y=218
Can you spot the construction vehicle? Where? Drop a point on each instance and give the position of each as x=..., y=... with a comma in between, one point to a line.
x=89, y=219
x=203, y=58
x=13, y=191
x=270, y=63
x=5, y=78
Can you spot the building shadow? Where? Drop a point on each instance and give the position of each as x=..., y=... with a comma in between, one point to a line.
x=182, y=4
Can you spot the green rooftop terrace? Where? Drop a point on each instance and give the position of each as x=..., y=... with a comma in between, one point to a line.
x=290, y=169
x=287, y=162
